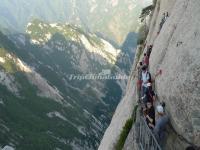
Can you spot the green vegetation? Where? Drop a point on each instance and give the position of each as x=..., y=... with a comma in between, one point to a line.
x=143, y=31
x=9, y=65
x=39, y=29
x=95, y=41
x=139, y=53
x=134, y=113
x=26, y=118
x=124, y=134
x=146, y=11
x=142, y=34
x=25, y=114
x=126, y=129
x=154, y=2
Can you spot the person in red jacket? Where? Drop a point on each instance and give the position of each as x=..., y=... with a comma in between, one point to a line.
x=146, y=60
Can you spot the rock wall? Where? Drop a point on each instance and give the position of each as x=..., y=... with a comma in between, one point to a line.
x=176, y=50
x=122, y=114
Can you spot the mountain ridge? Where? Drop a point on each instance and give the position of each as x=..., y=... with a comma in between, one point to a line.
x=95, y=16
x=44, y=92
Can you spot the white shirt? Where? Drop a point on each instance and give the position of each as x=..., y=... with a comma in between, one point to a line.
x=145, y=78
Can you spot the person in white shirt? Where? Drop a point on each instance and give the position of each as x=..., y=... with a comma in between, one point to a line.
x=145, y=79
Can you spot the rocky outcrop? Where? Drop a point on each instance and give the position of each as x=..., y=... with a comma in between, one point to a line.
x=176, y=50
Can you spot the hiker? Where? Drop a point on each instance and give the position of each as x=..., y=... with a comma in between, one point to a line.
x=139, y=81
x=149, y=49
x=146, y=60
x=150, y=115
x=164, y=18
x=146, y=76
x=139, y=70
x=160, y=125
x=167, y=15
x=150, y=94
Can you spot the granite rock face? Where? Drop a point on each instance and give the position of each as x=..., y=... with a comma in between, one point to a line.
x=176, y=51
x=122, y=114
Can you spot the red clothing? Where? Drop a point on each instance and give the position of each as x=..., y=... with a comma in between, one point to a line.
x=146, y=60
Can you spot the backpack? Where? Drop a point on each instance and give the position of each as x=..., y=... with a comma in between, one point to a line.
x=149, y=52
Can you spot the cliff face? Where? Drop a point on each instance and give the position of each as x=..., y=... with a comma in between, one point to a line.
x=122, y=113
x=176, y=50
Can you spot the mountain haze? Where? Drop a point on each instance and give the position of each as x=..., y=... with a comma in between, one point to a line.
x=112, y=18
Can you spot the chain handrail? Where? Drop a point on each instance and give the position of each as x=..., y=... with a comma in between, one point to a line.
x=147, y=140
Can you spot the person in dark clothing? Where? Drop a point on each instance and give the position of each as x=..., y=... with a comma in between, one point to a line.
x=140, y=70
x=160, y=125
x=162, y=104
x=150, y=115
x=190, y=148
x=164, y=18
x=162, y=21
x=149, y=49
x=150, y=94
x=139, y=82
x=167, y=14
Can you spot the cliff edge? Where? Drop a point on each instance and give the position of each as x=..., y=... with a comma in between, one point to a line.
x=176, y=50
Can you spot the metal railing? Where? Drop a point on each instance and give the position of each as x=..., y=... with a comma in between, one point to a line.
x=146, y=138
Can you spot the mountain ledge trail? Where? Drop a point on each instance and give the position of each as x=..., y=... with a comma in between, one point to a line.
x=175, y=51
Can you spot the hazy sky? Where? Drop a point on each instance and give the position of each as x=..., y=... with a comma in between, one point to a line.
x=147, y=2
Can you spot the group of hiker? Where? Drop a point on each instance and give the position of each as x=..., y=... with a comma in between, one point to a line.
x=155, y=115
x=155, y=121
x=153, y=112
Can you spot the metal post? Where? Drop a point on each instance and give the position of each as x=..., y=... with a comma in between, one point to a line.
x=147, y=140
